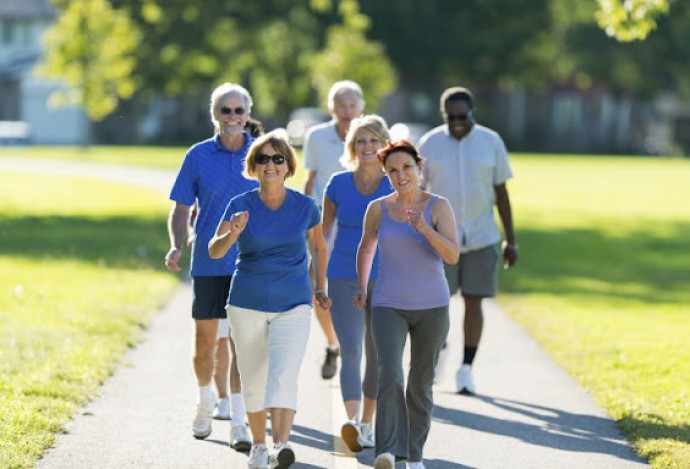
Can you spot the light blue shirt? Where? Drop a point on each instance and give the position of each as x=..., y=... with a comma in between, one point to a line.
x=272, y=271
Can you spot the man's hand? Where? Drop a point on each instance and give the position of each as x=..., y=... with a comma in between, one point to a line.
x=171, y=259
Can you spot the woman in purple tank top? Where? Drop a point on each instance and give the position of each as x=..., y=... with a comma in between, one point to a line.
x=415, y=233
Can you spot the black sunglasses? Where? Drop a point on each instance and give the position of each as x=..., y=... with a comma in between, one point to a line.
x=226, y=111
x=263, y=158
x=459, y=117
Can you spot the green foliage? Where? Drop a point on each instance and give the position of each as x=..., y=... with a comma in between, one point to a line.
x=348, y=54
x=629, y=20
x=91, y=48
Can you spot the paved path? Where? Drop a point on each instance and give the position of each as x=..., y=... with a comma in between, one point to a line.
x=529, y=413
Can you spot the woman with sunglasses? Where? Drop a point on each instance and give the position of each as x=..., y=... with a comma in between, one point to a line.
x=415, y=233
x=345, y=200
x=270, y=300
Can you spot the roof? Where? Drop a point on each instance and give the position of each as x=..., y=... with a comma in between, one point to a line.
x=26, y=9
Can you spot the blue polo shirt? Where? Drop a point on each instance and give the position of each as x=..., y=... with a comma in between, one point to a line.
x=211, y=175
x=272, y=272
x=350, y=206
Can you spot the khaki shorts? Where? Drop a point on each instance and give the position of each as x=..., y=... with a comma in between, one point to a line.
x=476, y=274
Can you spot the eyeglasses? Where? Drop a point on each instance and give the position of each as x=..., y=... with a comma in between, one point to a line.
x=226, y=111
x=459, y=117
x=263, y=158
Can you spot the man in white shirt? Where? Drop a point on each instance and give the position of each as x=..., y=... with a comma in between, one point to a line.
x=322, y=149
x=467, y=163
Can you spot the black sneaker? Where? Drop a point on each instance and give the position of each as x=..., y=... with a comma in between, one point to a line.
x=330, y=365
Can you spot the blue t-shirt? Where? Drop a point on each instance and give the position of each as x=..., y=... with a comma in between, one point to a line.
x=211, y=175
x=272, y=272
x=350, y=208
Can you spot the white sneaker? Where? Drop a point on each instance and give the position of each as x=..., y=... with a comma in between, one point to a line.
x=201, y=428
x=441, y=363
x=464, y=380
x=222, y=410
x=240, y=440
x=282, y=457
x=258, y=457
x=352, y=436
x=384, y=461
x=415, y=465
x=367, y=431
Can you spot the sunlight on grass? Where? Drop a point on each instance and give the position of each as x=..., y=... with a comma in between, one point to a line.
x=80, y=276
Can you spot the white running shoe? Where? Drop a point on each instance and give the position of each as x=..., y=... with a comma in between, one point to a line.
x=464, y=380
x=201, y=428
x=258, y=457
x=384, y=461
x=240, y=440
x=441, y=363
x=352, y=436
x=222, y=410
x=283, y=456
x=367, y=431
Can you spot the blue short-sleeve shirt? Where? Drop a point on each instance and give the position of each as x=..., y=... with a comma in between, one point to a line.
x=211, y=175
x=351, y=206
x=272, y=271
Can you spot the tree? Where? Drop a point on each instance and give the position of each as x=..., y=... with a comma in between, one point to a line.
x=91, y=48
x=348, y=54
x=630, y=20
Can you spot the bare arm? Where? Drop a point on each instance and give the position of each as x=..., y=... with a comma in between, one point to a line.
x=367, y=251
x=319, y=258
x=309, y=185
x=443, y=235
x=510, y=248
x=226, y=234
x=328, y=219
x=178, y=220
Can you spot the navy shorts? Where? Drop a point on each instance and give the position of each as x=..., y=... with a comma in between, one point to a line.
x=210, y=296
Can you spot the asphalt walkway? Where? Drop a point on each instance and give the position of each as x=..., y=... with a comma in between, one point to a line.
x=528, y=414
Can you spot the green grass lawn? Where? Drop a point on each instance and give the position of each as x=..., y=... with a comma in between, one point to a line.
x=79, y=279
x=603, y=283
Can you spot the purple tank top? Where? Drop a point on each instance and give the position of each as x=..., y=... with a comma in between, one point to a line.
x=410, y=271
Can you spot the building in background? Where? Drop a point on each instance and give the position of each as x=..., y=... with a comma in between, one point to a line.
x=24, y=110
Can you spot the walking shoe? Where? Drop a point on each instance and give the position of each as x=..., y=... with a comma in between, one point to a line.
x=239, y=438
x=415, y=465
x=330, y=364
x=282, y=457
x=222, y=410
x=367, y=431
x=352, y=436
x=464, y=380
x=384, y=461
x=258, y=457
x=441, y=363
x=201, y=428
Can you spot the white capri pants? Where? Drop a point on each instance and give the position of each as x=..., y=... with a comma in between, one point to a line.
x=270, y=348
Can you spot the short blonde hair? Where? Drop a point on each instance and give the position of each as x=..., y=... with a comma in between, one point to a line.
x=279, y=144
x=371, y=123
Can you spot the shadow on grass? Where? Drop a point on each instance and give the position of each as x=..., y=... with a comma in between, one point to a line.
x=653, y=428
x=650, y=266
x=120, y=241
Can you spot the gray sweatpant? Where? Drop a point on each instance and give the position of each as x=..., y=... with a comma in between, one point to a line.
x=403, y=416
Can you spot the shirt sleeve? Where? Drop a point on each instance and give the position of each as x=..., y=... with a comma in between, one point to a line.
x=232, y=207
x=309, y=152
x=315, y=216
x=184, y=189
x=332, y=189
x=503, y=172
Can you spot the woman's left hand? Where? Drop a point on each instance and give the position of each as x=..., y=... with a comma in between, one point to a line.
x=323, y=299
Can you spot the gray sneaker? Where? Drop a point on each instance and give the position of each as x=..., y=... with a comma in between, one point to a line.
x=258, y=457
x=240, y=440
x=367, y=431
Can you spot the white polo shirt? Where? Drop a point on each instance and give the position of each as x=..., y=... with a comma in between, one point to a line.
x=465, y=172
x=322, y=151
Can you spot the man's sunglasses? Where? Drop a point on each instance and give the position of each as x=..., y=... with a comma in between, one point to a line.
x=263, y=158
x=459, y=117
x=226, y=111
